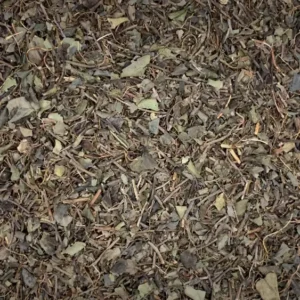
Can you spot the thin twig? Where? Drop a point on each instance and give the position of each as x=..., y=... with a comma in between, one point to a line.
x=157, y=252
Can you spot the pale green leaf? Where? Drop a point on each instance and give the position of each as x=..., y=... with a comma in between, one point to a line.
x=151, y=104
x=192, y=169
x=15, y=173
x=181, y=211
x=74, y=248
x=178, y=15
x=220, y=202
x=136, y=68
x=59, y=171
x=241, y=207
x=217, y=84
x=194, y=294
x=8, y=83
x=145, y=289
x=18, y=108
x=25, y=132
x=115, y=22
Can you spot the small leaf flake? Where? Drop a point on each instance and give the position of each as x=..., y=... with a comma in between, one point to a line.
x=74, y=248
x=151, y=104
x=115, y=22
x=220, y=202
x=136, y=68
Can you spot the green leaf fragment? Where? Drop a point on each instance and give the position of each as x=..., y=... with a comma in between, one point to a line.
x=151, y=104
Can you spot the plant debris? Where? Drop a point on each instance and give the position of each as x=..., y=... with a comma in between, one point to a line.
x=149, y=149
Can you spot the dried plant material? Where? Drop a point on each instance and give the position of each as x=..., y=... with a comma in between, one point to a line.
x=111, y=254
x=220, y=202
x=28, y=278
x=235, y=156
x=8, y=83
x=287, y=147
x=295, y=84
x=74, y=248
x=24, y=147
x=115, y=22
x=268, y=287
x=181, y=211
x=178, y=15
x=59, y=127
x=73, y=45
x=58, y=147
x=145, y=289
x=193, y=293
x=48, y=243
x=26, y=132
x=143, y=163
x=224, y=2
x=61, y=215
x=123, y=266
x=241, y=207
x=192, y=169
x=188, y=259
x=19, y=108
x=136, y=68
x=222, y=241
x=217, y=84
x=15, y=173
x=154, y=126
x=151, y=104
x=257, y=129
x=59, y=170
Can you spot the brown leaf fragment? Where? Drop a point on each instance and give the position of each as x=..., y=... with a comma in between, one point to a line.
x=268, y=287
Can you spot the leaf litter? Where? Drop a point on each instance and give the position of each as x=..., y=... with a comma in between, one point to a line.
x=149, y=151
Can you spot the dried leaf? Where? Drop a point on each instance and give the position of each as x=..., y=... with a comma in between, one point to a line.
x=59, y=170
x=111, y=254
x=24, y=147
x=61, y=215
x=268, y=287
x=59, y=128
x=181, y=211
x=188, y=259
x=15, y=173
x=220, y=202
x=145, y=289
x=178, y=15
x=58, y=147
x=217, y=84
x=287, y=147
x=194, y=294
x=115, y=22
x=154, y=126
x=222, y=241
x=148, y=104
x=295, y=84
x=25, y=132
x=48, y=243
x=136, y=68
x=143, y=163
x=8, y=83
x=74, y=248
x=192, y=169
x=74, y=46
x=19, y=108
x=28, y=278
x=241, y=207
